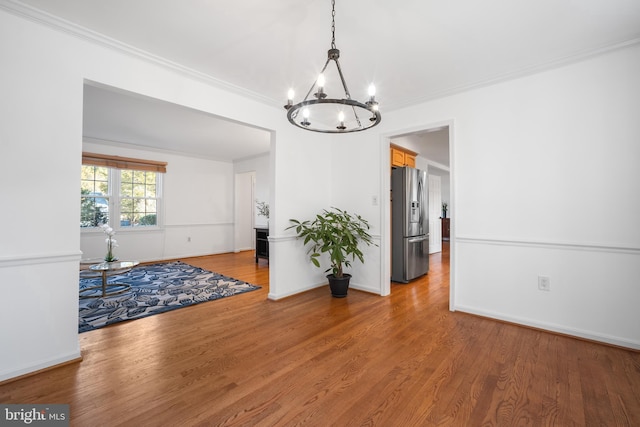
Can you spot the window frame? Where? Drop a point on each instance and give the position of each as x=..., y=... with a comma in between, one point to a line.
x=114, y=198
x=120, y=197
x=107, y=196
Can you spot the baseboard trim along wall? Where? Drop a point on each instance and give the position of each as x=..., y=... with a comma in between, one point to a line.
x=593, y=290
x=276, y=297
x=364, y=288
x=549, y=327
x=41, y=366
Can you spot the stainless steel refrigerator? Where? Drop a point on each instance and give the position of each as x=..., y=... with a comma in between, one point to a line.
x=409, y=224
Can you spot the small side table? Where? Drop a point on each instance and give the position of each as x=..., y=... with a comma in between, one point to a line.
x=108, y=289
x=262, y=243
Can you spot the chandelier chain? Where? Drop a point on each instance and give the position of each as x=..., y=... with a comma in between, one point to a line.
x=333, y=24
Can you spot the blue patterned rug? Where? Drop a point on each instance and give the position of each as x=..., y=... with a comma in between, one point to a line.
x=155, y=289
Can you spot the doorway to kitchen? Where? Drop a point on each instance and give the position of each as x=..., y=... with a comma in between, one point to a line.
x=429, y=149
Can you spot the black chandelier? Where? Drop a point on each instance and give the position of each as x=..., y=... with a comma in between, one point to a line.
x=333, y=115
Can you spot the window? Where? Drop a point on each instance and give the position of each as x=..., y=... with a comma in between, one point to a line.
x=94, y=196
x=138, y=201
x=113, y=191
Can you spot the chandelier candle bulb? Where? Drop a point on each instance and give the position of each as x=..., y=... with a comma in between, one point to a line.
x=372, y=103
x=372, y=92
x=320, y=82
x=305, y=117
x=341, y=120
x=290, y=96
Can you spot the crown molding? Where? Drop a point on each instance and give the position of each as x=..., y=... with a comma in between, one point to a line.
x=44, y=18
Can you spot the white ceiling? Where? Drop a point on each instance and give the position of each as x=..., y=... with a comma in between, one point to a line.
x=432, y=144
x=414, y=50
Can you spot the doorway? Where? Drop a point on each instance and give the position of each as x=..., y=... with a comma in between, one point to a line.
x=433, y=146
x=245, y=184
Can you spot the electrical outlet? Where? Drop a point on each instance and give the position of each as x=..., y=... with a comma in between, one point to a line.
x=374, y=200
x=189, y=239
x=544, y=284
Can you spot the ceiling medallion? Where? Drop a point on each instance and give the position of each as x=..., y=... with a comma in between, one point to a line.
x=333, y=115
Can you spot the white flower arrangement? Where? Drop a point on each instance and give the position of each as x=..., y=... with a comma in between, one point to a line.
x=110, y=241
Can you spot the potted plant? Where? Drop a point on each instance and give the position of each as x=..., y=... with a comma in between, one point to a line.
x=338, y=234
x=263, y=210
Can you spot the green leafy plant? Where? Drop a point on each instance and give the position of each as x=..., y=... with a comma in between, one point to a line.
x=263, y=208
x=91, y=214
x=150, y=219
x=336, y=233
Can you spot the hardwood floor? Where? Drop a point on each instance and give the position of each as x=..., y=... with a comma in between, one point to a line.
x=310, y=359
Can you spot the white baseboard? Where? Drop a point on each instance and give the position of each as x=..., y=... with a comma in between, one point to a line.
x=588, y=335
x=276, y=297
x=356, y=286
x=364, y=288
x=44, y=364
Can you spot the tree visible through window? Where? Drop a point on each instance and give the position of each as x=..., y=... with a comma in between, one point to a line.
x=109, y=195
x=138, y=204
x=94, y=196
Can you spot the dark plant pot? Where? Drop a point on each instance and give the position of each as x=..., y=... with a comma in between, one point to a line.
x=339, y=285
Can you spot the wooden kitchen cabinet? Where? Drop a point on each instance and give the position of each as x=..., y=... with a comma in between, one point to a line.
x=397, y=157
x=409, y=160
x=402, y=157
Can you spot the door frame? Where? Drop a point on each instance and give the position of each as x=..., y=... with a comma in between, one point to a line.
x=243, y=193
x=385, y=206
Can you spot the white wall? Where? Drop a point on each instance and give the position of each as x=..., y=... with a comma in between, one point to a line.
x=537, y=165
x=302, y=166
x=39, y=249
x=358, y=169
x=260, y=165
x=545, y=182
x=41, y=81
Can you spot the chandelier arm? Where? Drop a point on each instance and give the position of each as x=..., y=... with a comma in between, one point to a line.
x=355, y=113
x=344, y=83
x=346, y=91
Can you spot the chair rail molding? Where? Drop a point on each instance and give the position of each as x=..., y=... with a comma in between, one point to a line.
x=578, y=246
x=43, y=258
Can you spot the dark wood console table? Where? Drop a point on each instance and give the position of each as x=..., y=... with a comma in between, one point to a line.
x=446, y=228
x=262, y=243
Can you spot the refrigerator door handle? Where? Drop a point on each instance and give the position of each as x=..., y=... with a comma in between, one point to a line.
x=420, y=197
x=418, y=239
